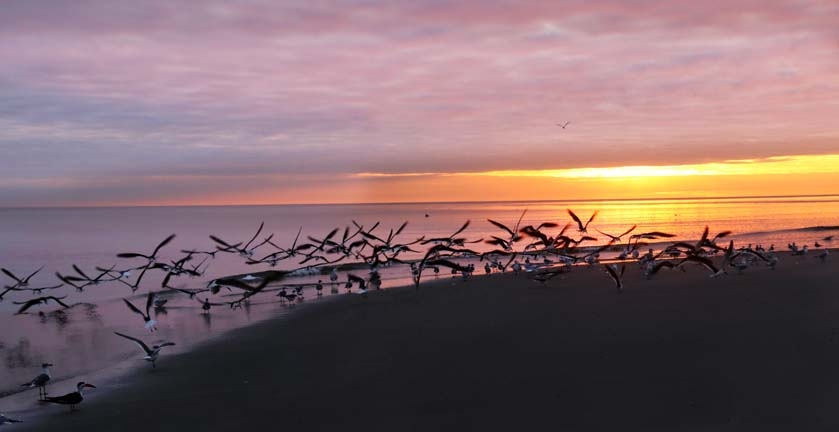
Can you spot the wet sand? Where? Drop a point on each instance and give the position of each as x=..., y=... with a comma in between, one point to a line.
x=757, y=351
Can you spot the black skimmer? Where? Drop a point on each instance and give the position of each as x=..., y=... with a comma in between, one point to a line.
x=151, y=353
x=617, y=238
x=250, y=290
x=83, y=280
x=545, y=275
x=450, y=240
x=563, y=125
x=245, y=251
x=41, y=381
x=33, y=290
x=617, y=277
x=73, y=398
x=149, y=322
x=153, y=256
x=40, y=300
x=704, y=262
x=362, y=284
x=4, y=420
x=719, y=235
x=580, y=227
x=375, y=280
x=211, y=254
x=652, y=235
x=159, y=302
x=655, y=267
x=20, y=282
x=507, y=244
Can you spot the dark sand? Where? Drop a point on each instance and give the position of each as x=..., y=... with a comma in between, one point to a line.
x=757, y=351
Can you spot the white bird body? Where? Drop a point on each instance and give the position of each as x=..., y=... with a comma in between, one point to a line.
x=41, y=380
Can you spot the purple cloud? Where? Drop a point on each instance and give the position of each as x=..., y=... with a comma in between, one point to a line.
x=160, y=89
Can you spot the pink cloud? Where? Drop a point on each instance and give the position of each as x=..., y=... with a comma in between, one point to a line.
x=328, y=87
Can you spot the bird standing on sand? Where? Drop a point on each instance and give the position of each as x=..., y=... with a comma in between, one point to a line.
x=41, y=381
x=4, y=420
x=73, y=398
x=151, y=353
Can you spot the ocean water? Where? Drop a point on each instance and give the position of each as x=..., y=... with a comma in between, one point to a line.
x=80, y=340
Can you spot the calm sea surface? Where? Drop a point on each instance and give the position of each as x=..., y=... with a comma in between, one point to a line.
x=80, y=341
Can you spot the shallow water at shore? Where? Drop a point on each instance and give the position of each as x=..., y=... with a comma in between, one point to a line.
x=80, y=339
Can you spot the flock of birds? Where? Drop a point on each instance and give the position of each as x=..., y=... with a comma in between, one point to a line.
x=531, y=250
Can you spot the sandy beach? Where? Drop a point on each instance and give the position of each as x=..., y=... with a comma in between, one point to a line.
x=751, y=351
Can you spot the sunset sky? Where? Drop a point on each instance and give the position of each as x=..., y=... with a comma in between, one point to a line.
x=257, y=102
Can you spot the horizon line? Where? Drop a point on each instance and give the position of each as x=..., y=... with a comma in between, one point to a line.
x=701, y=198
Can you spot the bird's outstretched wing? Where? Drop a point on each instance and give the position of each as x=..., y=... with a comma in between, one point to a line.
x=139, y=343
x=132, y=307
x=576, y=219
x=163, y=243
x=149, y=301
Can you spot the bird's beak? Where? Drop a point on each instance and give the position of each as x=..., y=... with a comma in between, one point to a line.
x=90, y=385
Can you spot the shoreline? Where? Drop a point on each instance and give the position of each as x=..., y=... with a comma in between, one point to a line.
x=488, y=350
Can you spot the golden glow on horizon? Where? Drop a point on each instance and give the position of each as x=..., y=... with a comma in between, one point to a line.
x=797, y=164
x=788, y=175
